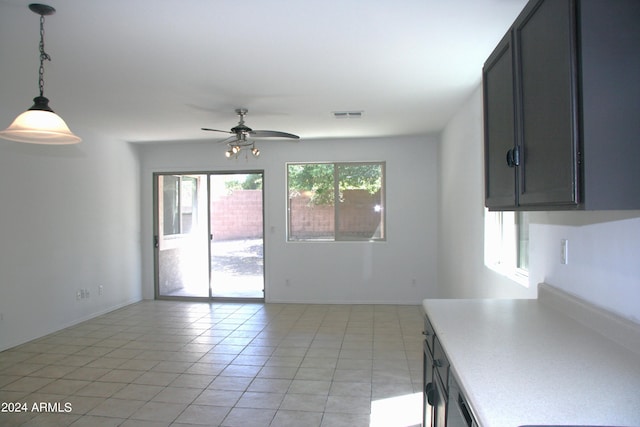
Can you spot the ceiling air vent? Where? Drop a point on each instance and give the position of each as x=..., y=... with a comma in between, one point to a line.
x=347, y=114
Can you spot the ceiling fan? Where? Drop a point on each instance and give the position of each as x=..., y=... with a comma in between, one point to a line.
x=240, y=132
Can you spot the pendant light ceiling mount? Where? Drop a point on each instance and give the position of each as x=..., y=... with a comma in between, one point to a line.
x=42, y=9
x=40, y=124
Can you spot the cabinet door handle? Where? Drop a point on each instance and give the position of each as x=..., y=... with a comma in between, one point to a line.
x=429, y=393
x=510, y=161
x=513, y=157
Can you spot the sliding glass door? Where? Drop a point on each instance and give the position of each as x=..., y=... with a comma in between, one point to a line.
x=209, y=235
x=182, y=236
x=237, y=267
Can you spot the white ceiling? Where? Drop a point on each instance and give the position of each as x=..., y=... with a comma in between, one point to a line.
x=146, y=71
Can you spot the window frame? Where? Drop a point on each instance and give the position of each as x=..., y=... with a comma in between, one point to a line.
x=337, y=236
x=504, y=240
x=181, y=209
x=522, y=236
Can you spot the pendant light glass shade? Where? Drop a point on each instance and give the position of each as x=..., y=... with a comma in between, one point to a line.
x=39, y=124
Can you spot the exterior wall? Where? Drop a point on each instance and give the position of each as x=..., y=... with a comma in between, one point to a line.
x=356, y=216
x=310, y=221
x=237, y=215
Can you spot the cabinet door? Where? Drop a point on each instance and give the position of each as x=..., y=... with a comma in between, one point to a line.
x=499, y=126
x=428, y=387
x=546, y=77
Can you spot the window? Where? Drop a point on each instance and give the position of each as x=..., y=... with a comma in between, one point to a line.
x=336, y=201
x=507, y=244
x=522, y=239
x=179, y=193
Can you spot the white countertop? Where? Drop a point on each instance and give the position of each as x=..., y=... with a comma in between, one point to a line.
x=521, y=362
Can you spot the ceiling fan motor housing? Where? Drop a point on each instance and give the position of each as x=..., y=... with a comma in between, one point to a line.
x=240, y=129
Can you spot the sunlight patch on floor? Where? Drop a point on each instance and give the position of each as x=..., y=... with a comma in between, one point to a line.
x=399, y=411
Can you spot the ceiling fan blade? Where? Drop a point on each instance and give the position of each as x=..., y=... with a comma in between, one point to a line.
x=216, y=130
x=272, y=134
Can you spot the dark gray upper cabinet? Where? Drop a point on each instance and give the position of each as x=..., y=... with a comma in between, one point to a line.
x=499, y=113
x=562, y=108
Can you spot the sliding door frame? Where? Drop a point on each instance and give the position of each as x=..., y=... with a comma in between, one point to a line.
x=156, y=234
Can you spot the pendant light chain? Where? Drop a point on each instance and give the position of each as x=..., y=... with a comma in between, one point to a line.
x=43, y=56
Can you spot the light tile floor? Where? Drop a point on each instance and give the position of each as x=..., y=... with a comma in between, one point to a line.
x=170, y=363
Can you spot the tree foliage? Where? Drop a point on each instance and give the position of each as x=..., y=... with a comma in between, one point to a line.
x=318, y=180
x=252, y=181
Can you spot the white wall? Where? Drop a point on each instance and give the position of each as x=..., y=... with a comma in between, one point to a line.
x=327, y=272
x=604, y=247
x=69, y=220
x=604, y=257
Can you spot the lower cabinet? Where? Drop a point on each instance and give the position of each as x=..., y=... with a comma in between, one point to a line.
x=444, y=401
x=428, y=386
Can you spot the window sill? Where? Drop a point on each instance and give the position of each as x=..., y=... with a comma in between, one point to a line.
x=517, y=275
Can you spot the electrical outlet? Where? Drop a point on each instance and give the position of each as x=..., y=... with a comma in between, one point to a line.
x=79, y=295
x=100, y=290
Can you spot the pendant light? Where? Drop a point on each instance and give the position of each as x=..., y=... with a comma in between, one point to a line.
x=39, y=124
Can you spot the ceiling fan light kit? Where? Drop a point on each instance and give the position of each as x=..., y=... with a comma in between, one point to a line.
x=239, y=142
x=234, y=150
x=40, y=124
